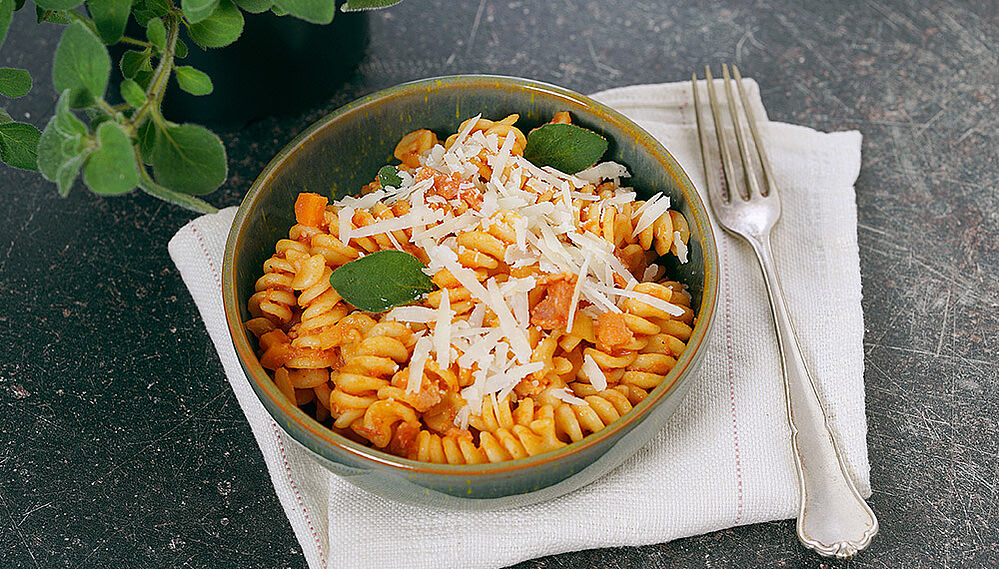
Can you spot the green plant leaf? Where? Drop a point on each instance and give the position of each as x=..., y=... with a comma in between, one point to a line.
x=358, y=5
x=381, y=280
x=255, y=6
x=132, y=93
x=132, y=61
x=58, y=4
x=194, y=81
x=279, y=12
x=315, y=11
x=146, y=133
x=82, y=65
x=221, y=28
x=388, y=176
x=156, y=32
x=110, y=17
x=180, y=49
x=63, y=146
x=54, y=16
x=189, y=158
x=19, y=145
x=18, y=4
x=14, y=83
x=110, y=168
x=6, y=14
x=197, y=10
x=565, y=147
x=5, y=117
x=145, y=10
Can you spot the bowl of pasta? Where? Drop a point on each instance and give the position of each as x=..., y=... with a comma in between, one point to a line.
x=472, y=291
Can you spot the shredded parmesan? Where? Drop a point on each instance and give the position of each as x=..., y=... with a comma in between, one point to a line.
x=681, y=247
x=563, y=394
x=593, y=373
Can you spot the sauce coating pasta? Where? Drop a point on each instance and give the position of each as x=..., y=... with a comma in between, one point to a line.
x=550, y=318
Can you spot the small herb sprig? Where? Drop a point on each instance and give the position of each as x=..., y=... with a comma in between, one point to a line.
x=121, y=147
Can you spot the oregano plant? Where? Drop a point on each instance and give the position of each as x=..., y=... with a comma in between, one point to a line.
x=120, y=147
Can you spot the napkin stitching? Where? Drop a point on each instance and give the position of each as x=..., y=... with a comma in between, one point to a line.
x=298, y=495
x=731, y=384
x=277, y=433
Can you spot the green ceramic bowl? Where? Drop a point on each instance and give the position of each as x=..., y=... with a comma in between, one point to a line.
x=342, y=152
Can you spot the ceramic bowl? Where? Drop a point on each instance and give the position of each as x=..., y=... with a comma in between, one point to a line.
x=342, y=152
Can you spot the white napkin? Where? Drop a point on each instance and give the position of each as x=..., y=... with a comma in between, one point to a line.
x=724, y=459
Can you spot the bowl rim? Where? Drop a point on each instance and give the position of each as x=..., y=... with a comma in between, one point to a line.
x=264, y=385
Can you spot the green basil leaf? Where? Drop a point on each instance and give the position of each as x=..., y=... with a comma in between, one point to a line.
x=132, y=93
x=565, y=147
x=143, y=78
x=110, y=17
x=381, y=280
x=315, y=11
x=66, y=122
x=220, y=29
x=19, y=145
x=111, y=168
x=6, y=15
x=82, y=65
x=156, y=32
x=197, y=10
x=5, y=117
x=180, y=49
x=388, y=176
x=145, y=10
x=194, y=81
x=62, y=148
x=146, y=133
x=358, y=5
x=255, y=6
x=54, y=16
x=278, y=11
x=132, y=61
x=58, y=4
x=14, y=83
x=189, y=158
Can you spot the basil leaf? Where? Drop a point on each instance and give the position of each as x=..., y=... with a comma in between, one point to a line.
x=54, y=16
x=5, y=117
x=19, y=145
x=110, y=17
x=156, y=32
x=14, y=83
x=6, y=15
x=194, y=81
x=197, y=10
x=111, y=168
x=315, y=11
x=62, y=148
x=145, y=10
x=82, y=65
x=132, y=62
x=189, y=158
x=381, y=280
x=58, y=4
x=180, y=49
x=388, y=176
x=147, y=140
x=255, y=6
x=357, y=5
x=219, y=29
x=565, y=147
x=132, y=93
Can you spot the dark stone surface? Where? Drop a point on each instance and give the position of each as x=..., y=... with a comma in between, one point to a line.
x=122, y=444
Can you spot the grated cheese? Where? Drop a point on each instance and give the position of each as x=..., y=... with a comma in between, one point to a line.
x=563, y=394
x=681, y=247
x=593, y=373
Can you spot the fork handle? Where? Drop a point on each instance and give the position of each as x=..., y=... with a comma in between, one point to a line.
x=833, y=519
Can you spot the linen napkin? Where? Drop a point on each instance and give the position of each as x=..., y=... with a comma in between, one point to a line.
x=724, y=458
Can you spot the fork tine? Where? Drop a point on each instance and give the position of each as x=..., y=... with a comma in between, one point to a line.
x=752, y=184
x=771, y=184
x=727, y=168
x=716, y=195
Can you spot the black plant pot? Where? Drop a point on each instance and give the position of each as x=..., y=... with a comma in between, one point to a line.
x=280, y=65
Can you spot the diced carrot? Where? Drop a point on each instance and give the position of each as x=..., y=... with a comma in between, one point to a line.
x=309, y=209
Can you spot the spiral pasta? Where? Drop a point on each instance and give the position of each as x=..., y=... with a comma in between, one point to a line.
x=551, y=316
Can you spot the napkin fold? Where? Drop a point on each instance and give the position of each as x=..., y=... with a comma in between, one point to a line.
x=724, y=458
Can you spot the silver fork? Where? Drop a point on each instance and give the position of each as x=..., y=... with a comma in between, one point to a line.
x=833, y=519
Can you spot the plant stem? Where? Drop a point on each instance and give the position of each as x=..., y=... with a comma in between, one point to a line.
x=148, y=185
x=154, y=94
x=133, y=41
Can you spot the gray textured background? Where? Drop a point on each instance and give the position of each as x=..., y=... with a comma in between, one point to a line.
x=121, y=444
